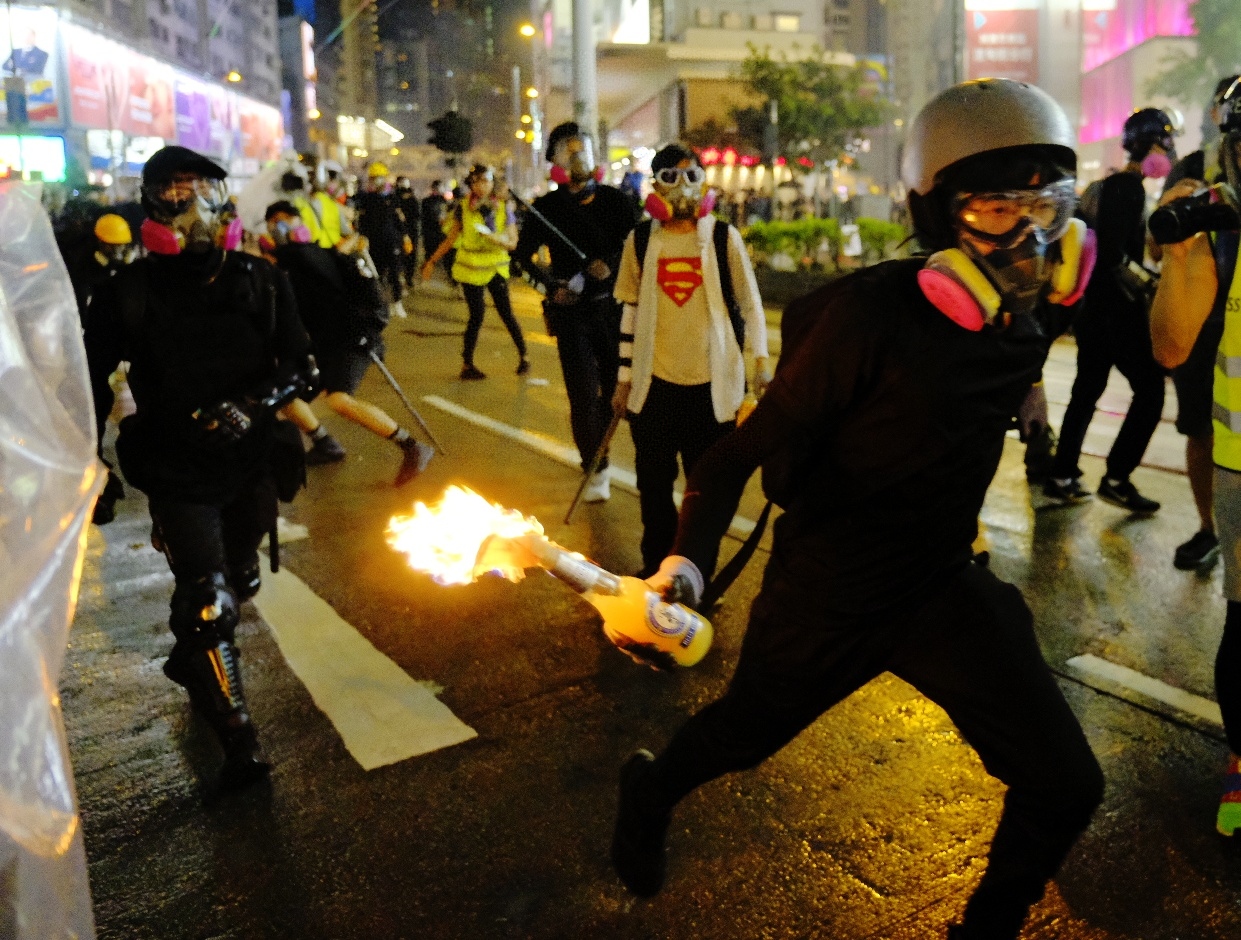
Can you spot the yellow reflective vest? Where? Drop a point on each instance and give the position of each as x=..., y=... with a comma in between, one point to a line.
x=479, y=258
x=330, y=231
x=1226, y=411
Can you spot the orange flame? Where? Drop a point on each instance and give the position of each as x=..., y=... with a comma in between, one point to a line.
x=463, y=536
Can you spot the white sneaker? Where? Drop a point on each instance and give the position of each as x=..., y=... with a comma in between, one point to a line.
x=599, y=489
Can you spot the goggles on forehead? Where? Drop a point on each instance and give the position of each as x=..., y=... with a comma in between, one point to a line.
x=671, y=175
x=1004, y=219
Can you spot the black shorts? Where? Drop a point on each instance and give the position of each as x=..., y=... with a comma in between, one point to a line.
x=343, y=371
x=1194, y=381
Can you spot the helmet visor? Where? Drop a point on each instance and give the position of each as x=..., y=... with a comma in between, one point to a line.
x=1004, y=219
x=175, y=197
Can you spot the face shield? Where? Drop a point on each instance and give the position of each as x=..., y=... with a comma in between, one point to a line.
x=192, y=208
x=575, y=158
x=683, y=189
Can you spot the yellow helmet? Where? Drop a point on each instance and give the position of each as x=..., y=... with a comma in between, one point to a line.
x=111, y=229
x=377, y=169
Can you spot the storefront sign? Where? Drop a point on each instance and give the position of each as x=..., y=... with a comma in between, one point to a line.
x=1001, y=39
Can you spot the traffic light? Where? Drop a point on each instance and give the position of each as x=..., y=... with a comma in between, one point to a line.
x=451, y=133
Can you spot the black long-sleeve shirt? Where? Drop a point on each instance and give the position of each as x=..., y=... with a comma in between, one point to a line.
x=905, y=413
x=196, y=330
x=597, y=225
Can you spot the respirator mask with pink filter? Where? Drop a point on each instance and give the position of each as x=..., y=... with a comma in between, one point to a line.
x=679, y=193
x=189, y=216
x=573, y=162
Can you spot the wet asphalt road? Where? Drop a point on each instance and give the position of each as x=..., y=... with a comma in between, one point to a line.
x=872, y=824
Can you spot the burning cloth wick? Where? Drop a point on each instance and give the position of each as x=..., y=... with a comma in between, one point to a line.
x=463, y=536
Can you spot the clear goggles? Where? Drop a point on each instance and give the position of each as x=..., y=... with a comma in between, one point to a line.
x=177, y=195
x=672, y=176
x=1005, y=219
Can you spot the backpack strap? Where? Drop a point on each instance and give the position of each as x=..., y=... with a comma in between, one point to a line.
x=719, y=236
x=641, y=239
x=728, y=574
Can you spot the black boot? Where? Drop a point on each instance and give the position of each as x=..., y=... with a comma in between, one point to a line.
x=324, y=449
x=414, y=460
x=212, y=677
x=638, y=840
x=246, y=580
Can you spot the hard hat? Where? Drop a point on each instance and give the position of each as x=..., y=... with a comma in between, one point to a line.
x=1144, y=128
x=111, y=229
x=979, y=116
x=377, y=169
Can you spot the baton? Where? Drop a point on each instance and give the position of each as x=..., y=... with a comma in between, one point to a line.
x=408, y=404
x=594, y=464
x=581, y=255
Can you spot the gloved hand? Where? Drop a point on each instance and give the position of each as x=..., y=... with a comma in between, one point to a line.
x=567, y=293
x=225, y=422
x=599, y=270
x=1032, y=415
x=678, y=581
x=620, y=398
x=105, y=506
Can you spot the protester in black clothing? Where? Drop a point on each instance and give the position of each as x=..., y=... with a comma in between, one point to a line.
x=1193, y=379
x=593, y=220
x=1113, y=327
x=344, y=313
x=411, y=216
x=432, y=213
x=379, y=219
x=893, y=403
x=215, y=348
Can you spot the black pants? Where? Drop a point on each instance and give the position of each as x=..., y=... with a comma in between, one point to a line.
x=970, y=649
x=1228, y=676
x=476, y=302
x=409, y=267
x=388, y=266
x=675, y=420
x=204, y=539
x=588, y=342
x=1112, y=332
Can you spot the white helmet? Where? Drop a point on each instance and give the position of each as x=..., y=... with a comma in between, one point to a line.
x=979, y=116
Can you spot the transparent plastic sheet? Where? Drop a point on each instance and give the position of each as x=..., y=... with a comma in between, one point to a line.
x=49, y=479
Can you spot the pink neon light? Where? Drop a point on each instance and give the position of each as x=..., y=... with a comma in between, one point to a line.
x=1109, y=33
x=1107, y=99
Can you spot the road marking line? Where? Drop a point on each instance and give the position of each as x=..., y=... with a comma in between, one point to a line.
x=382, y=715
x=1194, y=705
x=561, y=453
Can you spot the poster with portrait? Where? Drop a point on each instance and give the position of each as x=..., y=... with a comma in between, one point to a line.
x=30, y=52
x=113, y=87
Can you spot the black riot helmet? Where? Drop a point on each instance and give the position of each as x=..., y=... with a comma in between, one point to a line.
x=1145, y=128
x=1229, y=104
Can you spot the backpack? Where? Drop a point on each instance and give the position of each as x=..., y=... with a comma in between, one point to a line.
x=719, y=238
x=365, y=297
x=785, y=472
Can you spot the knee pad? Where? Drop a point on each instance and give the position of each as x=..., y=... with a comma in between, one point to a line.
x=204, y=611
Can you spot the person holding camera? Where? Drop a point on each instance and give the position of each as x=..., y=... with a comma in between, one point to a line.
x=1112, y=328
x=1200, y=280
x=1194, y=377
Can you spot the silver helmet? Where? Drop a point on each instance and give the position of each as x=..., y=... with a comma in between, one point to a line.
x=980, y=116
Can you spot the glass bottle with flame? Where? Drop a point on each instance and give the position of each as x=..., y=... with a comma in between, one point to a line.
x=635, y=618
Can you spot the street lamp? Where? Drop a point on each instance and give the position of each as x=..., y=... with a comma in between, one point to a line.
x=532, y=92
x=234, y=76
x=527, y=31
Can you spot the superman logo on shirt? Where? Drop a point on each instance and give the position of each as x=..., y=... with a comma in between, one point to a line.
x=679, y=278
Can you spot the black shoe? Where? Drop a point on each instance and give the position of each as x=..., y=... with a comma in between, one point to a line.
x=1198, y=552
x=523, y=367
x=244, y=760
x=638, y=840
x=326, y=449
x=1065, y=492
x=470, y=372
x=417, y=456
x=1124, y=494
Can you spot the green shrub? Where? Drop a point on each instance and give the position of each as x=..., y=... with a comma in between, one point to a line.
x=879, y=238
x=801, y=239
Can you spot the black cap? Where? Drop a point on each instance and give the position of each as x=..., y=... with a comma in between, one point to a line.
x=170, y=160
